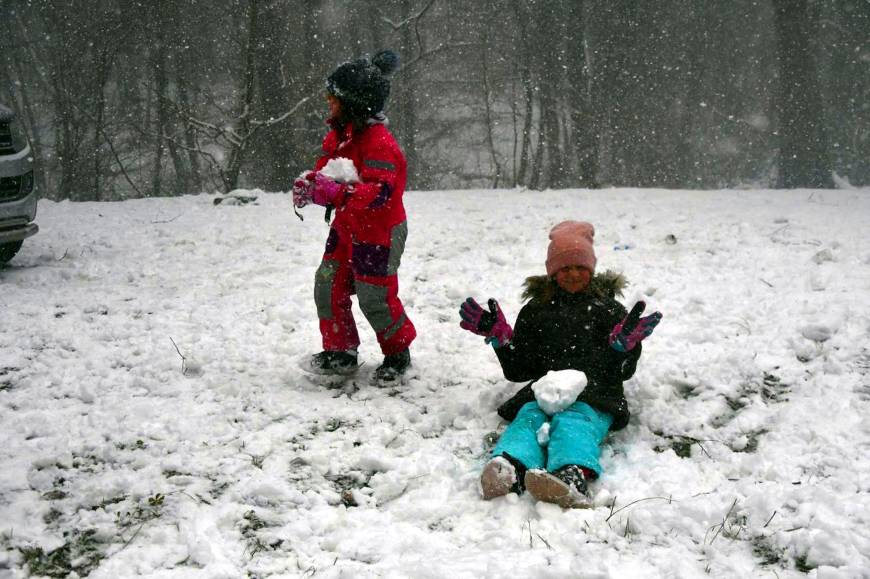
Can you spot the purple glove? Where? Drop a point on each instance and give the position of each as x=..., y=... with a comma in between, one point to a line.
x=326, y=191
x=302, y=192
x=491, y=324
x=633, y=329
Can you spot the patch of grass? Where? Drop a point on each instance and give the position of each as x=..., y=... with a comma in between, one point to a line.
x=681, y=445
x=252, y=522
x=218, y=488
x=52, y=516
x=331, y=425
x=106, y=502
x=250, y=526
x=738, y=403
x=766, y=553
x=752, y=441
x=352, y=480
x=142, y=513
x=87, y=462
x=802, y=565
x=80, y=554
x=772, y=388
x=137, y=445
x=732, y=526
x=346, y=483
x=685, y=390
x=6, y=383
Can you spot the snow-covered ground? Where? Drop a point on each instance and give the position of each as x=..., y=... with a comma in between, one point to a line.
x=748, y=453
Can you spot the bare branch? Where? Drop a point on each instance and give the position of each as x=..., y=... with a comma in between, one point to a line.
x=284, y=116
x=410, y=19
x=444, y=46
x=183, y=359
x=111, y=147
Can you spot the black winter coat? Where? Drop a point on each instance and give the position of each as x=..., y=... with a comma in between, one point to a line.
x=556, y=330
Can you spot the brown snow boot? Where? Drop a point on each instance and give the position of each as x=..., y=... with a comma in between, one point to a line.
x=566, y=487
x=502, y=475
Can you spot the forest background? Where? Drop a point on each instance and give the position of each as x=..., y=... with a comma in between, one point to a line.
x=126, y=98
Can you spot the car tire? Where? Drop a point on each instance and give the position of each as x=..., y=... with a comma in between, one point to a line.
x=8, y=250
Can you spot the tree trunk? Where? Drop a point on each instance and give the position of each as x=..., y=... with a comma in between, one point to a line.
x=488, y=117
x=804, y=155
x=585, y=118
x=103, y=63
x=549, y=80
x=238, y=150
x=159, y=69
x=404, y=86
x=186, y=107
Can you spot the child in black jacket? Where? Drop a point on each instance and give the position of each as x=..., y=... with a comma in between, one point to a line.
x=571, y=322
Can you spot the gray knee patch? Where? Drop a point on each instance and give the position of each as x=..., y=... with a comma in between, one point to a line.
x=323, y=282
x=398, y=236
x=373, y=303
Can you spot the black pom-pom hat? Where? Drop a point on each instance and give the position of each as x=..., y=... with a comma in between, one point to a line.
x=363, y=85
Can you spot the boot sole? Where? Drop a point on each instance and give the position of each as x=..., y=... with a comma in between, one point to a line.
x=306, y=366
x=398, y=379
x=550, y=489
x=497, y=479
x=333, y=372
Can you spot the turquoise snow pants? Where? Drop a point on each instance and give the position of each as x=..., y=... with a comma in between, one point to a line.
x=575, y=435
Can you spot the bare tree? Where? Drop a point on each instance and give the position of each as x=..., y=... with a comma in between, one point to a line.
x=804, y=158
x=126, y=98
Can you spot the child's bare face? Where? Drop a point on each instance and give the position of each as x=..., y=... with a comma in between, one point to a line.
x=573, y=278
x=334, y=106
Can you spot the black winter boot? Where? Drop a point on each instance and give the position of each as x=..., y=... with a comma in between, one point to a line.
x=393, y=367
x=341, y=363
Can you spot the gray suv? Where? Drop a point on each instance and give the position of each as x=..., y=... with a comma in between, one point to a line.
x=17, y=194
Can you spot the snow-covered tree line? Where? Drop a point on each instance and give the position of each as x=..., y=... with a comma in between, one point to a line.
x=127, y=98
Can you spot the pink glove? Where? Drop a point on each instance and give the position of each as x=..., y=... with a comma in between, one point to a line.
x=491, y=324
x=302, y=192
x=325, y=191
x=628, y=333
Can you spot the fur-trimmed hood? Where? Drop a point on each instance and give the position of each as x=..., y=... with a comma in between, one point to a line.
x=603, y=285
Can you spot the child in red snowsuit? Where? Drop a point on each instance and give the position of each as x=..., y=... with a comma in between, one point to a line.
x=367, y=237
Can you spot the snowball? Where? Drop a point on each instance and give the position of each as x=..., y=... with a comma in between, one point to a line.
x=341, y=170
x=558, y=390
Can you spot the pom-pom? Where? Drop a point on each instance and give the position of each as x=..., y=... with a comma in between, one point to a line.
x=387, y=61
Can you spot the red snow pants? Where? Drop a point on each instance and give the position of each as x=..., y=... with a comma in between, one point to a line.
x=369, y=271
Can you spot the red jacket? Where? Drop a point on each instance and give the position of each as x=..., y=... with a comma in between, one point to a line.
x=374, y=206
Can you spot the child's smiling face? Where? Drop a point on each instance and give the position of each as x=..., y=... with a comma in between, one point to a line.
x=573, y=278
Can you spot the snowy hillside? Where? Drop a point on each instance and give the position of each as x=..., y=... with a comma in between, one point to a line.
x=748, y=453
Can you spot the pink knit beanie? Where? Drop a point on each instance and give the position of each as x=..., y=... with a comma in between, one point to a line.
x=571, y=244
